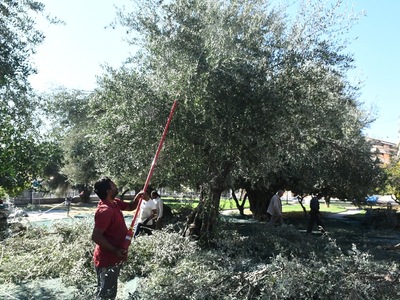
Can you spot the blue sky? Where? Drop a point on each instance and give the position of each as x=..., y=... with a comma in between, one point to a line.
x=377, y=58
x=72, y=55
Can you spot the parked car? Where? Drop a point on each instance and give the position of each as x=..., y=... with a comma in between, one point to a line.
x=372, y=199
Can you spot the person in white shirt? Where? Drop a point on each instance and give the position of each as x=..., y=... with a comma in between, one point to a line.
x=147, y=214
x=160, y=206
x=275, y=208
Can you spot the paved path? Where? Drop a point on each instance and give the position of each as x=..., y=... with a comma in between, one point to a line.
x=49, y=217
x=343, y=214
x=57, y=214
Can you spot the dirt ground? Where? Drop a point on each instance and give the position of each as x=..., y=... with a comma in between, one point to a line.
x=51, y=212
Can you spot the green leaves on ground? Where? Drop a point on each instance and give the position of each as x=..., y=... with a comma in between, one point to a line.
x=242, y=262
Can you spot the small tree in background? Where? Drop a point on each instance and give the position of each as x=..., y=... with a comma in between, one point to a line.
x=78, y=163
x=23, y=153
x=392, y=180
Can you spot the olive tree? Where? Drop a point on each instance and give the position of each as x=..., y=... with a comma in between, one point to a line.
x=77, y=165
x=260, y=96
x=216, y=68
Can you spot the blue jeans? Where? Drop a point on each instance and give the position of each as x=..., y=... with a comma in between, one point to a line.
x=139, y=228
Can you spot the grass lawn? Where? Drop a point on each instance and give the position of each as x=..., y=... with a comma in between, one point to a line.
x=225, y=204
x=229, y=204
x=333, y=208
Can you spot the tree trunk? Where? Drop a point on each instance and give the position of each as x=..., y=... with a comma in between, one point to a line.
x=327, y=201
x=300, y=199
x=194, y=221
x=84, y=193
x=203, y=219
x=201, y=222
x=239, y=206
x=259, y=200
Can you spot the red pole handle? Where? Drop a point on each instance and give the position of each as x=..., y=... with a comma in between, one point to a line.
x=129, y=234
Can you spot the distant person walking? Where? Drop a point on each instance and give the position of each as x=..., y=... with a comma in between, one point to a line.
x=160, y=208
x=275, y=208
x=315, y=214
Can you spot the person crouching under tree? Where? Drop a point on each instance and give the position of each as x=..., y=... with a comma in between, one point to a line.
x=147, y=216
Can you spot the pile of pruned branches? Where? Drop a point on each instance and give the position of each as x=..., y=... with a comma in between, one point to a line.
x=271, y=263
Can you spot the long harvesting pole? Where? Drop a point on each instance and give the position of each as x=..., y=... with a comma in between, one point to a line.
x=129, y=234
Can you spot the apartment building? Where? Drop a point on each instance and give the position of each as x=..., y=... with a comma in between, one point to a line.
x=383, y=150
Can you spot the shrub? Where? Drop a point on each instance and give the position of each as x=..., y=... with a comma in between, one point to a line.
x=381, y=218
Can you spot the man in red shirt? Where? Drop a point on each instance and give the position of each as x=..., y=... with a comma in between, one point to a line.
x=109, y=234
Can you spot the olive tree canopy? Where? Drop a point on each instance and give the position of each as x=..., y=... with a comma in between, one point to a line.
x=263, y=99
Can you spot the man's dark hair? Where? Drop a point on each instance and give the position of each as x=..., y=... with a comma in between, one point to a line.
x=102, y=186
x=155, y=194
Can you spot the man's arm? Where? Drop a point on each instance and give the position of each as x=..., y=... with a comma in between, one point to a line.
x=153, y=213
x=134, y=203
x=99, y=239
x=160, y=209
x=275, y=203
x=151, y=217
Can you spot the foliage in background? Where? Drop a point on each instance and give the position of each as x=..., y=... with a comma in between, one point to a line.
x=23, y=154
x=19, y=39
x=2, y=193
x=69, y=110
x=381, y=218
